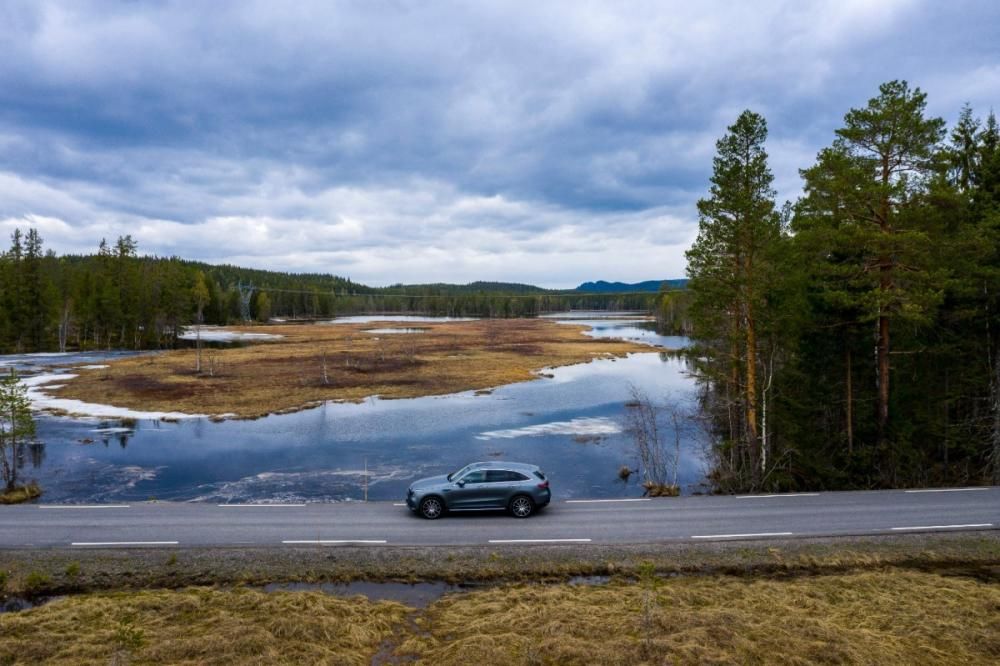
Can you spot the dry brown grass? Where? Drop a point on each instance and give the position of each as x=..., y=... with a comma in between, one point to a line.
x=895, y=617
x=199, y=627
x=280, y=376
x=877, y=617
x=21, y=494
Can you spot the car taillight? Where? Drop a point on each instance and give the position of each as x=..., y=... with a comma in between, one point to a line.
x=544, y=485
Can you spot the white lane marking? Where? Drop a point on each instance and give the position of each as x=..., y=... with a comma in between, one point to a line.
x=333, y=541
x=940, y=527
x=539, y=540
x=598, y=501
x=83, y=506
x=777, y=495
x=740, y=536
x=399, y=504
x=256, y=505
x=948, y=490
x=124, y=543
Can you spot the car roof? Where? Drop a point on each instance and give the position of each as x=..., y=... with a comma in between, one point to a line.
x=499, y=464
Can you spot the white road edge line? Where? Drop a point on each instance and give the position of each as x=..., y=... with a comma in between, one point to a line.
x=256, y=505
x=740, y=536
x=124, y=543
x=948, y=490
x=939, y=527
x=599, y=501
x=84, y=506
x=539, y=541
x=333, y=541
x=777, y=495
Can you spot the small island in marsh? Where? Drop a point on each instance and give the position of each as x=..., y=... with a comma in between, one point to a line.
x=312, y=363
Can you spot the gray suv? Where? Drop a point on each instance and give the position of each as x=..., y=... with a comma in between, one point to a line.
x=516, y=487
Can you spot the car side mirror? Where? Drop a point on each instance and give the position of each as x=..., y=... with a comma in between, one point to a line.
x=460, y=484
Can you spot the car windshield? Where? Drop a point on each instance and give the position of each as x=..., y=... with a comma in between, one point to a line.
x=459, y=473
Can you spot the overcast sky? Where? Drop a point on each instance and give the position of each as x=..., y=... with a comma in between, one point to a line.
x=540, y=142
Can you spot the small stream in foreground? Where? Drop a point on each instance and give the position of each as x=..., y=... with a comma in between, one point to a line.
x=569, y=422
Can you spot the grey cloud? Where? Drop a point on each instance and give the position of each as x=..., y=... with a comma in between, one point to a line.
x=525, y=140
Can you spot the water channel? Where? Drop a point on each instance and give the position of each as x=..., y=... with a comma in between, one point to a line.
x=569, y=421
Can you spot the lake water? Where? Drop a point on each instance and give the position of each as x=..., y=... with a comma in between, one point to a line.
x=569, y=422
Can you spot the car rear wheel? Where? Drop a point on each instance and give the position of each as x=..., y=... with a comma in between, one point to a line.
x=521, y=506
x=431, y=508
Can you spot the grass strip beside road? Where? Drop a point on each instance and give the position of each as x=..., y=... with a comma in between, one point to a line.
x=45, y=572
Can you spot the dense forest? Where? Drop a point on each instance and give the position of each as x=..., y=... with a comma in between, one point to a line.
x=119, y=299
x=852, y=338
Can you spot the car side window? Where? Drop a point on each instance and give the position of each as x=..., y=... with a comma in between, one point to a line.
x=495, y=475
x=517, y=476
x=475, y=476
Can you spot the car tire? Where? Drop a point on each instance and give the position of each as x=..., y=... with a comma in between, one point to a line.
x=431, y=508
x=521, y=506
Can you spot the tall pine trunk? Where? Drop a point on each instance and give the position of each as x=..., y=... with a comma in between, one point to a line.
x=752, y=435
x=883, y=378
x=849, y=400
x=994, y=454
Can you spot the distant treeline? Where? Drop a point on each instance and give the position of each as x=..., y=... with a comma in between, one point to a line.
x=852, y=339
x=116, y=299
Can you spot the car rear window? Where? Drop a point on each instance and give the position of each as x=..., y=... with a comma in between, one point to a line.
x=540, y=474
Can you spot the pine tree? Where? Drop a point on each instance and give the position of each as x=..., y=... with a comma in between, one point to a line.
x=863, y=191
x=16, y=426
x=729, y=272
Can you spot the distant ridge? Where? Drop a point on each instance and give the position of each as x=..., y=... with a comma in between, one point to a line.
x=603, y=287
x=470, y=288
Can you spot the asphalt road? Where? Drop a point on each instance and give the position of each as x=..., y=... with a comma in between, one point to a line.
x=379, y=524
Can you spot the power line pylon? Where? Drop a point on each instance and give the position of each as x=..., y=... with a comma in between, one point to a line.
x=246, y=294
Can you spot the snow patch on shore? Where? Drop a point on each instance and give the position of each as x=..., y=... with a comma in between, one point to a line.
x=40, y=400
x=219, y=334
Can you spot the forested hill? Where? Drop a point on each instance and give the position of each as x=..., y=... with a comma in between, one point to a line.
x=117, y=299
x=440, y=288
x=228, y=274
x=602, y=287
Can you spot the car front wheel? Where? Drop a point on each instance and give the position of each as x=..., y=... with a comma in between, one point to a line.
x=431, y=508
x=521, y=506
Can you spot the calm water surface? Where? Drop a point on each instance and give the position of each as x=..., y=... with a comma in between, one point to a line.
x=569, y=422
